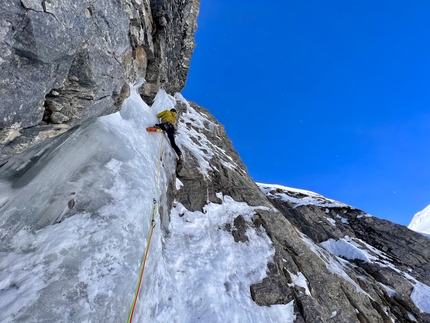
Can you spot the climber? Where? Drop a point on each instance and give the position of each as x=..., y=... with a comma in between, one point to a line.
x=167, y=124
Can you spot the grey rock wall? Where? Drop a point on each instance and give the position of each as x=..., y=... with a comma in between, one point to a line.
x=359, y=291
x=401, y=255
x=63, y=62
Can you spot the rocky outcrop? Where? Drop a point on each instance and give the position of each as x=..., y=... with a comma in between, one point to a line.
x=64, y=62
x=307, y=232
x=399, y=257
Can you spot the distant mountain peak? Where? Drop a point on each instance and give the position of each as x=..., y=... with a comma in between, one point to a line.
x=421, y=221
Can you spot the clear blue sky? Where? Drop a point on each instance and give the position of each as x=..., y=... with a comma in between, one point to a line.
x=328, y=96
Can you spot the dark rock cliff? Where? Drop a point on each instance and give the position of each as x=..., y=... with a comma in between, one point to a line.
x=64, y=62
x=303, y=225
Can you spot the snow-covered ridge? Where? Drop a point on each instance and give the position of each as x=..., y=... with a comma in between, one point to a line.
x=342, y=254
x=298, y=197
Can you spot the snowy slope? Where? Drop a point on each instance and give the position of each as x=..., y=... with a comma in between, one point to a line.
x=349, y=248
x=421, y=221
x=76, y=218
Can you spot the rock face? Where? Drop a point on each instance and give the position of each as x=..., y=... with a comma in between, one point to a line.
x=336, y=262
x=64, y=62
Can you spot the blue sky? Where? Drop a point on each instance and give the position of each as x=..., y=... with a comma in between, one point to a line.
x=328, y=96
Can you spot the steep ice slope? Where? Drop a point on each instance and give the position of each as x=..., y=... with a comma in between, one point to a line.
x=75, y=219
x=421, y=221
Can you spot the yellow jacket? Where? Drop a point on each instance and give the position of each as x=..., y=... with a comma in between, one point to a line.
x=167, y=116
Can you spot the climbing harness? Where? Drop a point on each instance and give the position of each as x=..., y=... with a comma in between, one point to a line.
x=145, y=256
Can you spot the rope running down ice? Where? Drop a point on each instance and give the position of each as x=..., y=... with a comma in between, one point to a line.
x=154, y=215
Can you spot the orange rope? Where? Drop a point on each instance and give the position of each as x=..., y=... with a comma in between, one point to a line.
x=145, y=257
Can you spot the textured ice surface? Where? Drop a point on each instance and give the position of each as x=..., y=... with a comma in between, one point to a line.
x=75, y=219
